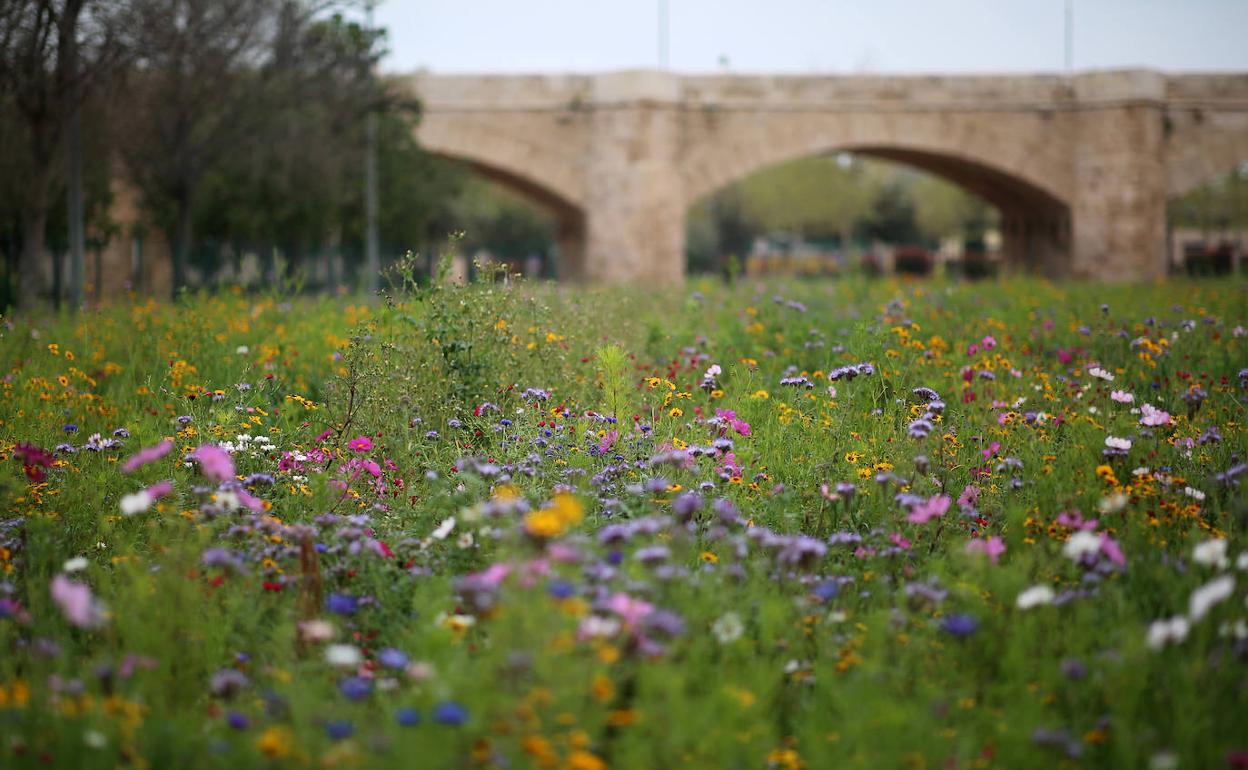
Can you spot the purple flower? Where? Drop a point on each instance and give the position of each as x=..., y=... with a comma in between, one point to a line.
x=449, y=713
x=237, y=720
x=407, y=717
x=960, y=625
x=341, y=604
x=339, y=729
x=228, y=681
x=392, y=658
x=355, y=687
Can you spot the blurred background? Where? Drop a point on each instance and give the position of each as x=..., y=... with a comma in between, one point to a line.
x=151, y=145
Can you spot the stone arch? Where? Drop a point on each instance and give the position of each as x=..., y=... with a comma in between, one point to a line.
x=526, y=161
x=1026, y=181
x=988, y=150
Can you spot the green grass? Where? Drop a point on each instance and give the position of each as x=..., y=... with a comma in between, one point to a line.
x=609, y=619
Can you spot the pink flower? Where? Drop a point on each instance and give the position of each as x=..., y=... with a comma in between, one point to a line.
x=159, y=489
x=323, y=435
x=991, y=547
x=899, y=541
x=77, y=603
x=215, y=463
x=605, y=444
x=148, y=455
x=741, y=426
x=1152, y=416
x=932, y=508
x=1112, y=551
x=989, y=342
x=252, y=503
x=1075, y=521
x=631, y=611
x=360, y=444
x=969, y=497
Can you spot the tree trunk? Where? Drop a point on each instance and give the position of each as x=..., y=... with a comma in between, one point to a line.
x=181, y=243
x=30, y=264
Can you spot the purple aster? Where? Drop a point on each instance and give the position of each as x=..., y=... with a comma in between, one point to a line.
x=449, y=713
x=960, y=625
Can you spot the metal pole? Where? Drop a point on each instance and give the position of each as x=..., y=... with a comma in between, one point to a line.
x=1070, y=37
x=663, y=24
x=372, y=256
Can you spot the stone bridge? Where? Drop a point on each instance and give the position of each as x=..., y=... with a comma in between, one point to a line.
x=1080, y=167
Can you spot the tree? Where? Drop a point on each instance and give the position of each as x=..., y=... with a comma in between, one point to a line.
x=51, y=55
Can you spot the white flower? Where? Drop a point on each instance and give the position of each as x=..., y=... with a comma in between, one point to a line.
x=242, y=350
x=1141, y=471
x=1163, y=632
x=1112, y=504
x=228, y=500
x=1236, y=630
x=1194, y=493
x=95, y=739
x=595, y=626
x=728, y=628
x=137, y=502
x=444, y=528
x=1093, y=410
x=317, y=631
x=1241, y=561
x=1034, y=597
x=1214, y=592
x=76, y=564
x=1164, y=760
x=465, y=540
x=1113, y=442
x=343, y=655
x=1211, y=553
x=1100, y=374
x=1122, y=397
x=1082, y=543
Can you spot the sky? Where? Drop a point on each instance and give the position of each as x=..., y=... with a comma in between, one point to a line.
x=813, y=36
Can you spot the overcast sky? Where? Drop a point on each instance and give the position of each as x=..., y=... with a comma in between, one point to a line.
x=813, y=36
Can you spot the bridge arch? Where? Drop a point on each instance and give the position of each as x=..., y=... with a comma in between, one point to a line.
x=525, y=162
x=1029, y=186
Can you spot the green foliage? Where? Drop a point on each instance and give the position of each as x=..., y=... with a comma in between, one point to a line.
x=480, y=409
x=612, y=368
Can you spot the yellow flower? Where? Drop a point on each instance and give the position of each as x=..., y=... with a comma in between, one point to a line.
x=675, y=412
x=275, y=742
x=563, y=513
x=583, y=760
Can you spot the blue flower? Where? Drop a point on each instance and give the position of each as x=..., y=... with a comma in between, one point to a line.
x=959, y=625
x=392, y=658
x=338, y=729
x=355, y=687
x=407, y=717
x=237, y=721
x=341, y=604
x=449, y=713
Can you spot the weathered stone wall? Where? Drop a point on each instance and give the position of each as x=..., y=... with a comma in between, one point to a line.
x=1080, y=167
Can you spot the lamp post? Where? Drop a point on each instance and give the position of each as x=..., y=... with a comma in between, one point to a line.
x=372, y=255
x=663, y=29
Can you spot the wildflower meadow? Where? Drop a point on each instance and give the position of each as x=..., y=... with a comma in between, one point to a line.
x=759, y=525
